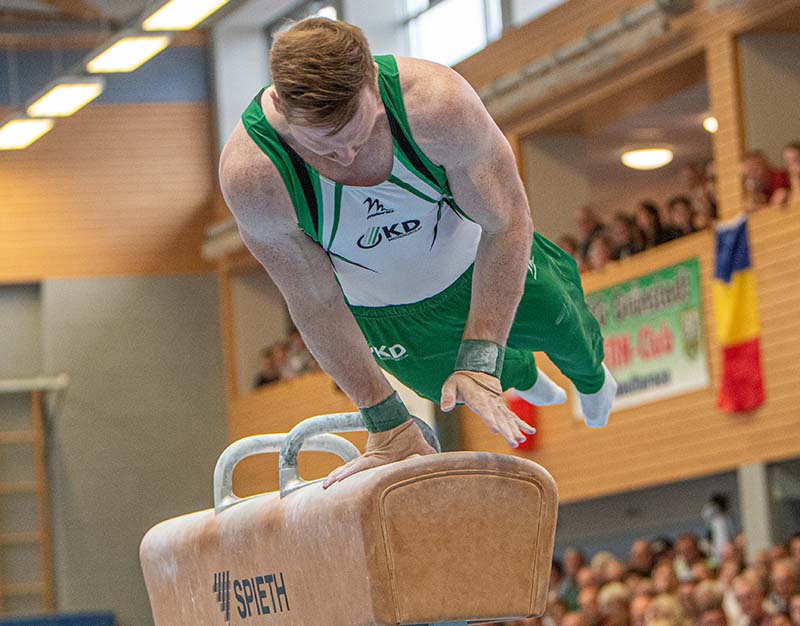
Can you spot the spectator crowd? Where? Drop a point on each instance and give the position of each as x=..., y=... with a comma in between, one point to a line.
x=284, y=360
x=675, y=584
x=694, y=209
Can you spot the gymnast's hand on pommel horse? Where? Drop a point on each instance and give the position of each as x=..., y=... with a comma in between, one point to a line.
x=394, y=221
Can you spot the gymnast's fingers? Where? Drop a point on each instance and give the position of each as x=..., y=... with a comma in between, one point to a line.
x=524, y=426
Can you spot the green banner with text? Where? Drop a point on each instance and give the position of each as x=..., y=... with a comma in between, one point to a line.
x=654, y=339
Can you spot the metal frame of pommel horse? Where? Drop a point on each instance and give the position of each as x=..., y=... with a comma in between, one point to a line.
x=312, y=435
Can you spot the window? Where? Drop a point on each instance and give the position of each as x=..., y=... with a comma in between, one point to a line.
x=318, y=8
x=524, y=11
x=448, y=31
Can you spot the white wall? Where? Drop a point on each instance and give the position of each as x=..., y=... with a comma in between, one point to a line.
x=556, y=182
x=142, y=425
x=770, y=71
x=260, y=319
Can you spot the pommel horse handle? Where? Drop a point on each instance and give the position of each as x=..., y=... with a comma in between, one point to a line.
x=264, y=444
x=311, y=428
x=312, y=435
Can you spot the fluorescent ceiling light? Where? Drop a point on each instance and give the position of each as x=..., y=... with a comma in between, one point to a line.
x=19, y=133
x=128, y=53
x=182, y=14
x=66, y=98
x=647, y=159
x=711, y=124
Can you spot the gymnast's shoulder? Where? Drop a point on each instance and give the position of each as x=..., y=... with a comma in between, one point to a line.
x=443, y=109
x=253, y=188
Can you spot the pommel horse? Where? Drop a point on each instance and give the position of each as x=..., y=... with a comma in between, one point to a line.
x=451, y=538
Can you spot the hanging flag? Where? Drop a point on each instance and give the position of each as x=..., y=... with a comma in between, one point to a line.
x=527, y=413
x=736, y=311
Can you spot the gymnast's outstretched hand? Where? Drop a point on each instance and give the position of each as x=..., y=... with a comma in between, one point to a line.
x=484, y=395
x=396, y=444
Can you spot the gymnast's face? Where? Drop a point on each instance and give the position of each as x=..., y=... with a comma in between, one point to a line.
x=342, y=147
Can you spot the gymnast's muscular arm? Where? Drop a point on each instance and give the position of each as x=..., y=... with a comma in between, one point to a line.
x=453, y=128
x=258, y=199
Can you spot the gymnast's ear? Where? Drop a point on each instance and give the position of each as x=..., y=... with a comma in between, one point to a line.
x=276, y=101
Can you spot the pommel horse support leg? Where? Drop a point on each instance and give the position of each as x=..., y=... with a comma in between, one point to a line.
x=452, y=538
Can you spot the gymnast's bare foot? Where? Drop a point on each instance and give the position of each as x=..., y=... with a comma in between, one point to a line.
x=382, y=448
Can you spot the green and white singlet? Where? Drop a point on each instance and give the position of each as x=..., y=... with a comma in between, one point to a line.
x=398, y=242
x=403, y=253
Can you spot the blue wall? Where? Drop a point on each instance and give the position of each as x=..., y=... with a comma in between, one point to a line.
x=178, y=74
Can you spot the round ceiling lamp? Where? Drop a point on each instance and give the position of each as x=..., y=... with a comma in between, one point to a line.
x=711, y=124
x=647, y=158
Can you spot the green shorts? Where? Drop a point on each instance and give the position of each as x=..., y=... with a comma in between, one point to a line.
x=418, y=343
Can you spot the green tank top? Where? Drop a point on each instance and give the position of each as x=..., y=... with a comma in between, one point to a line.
x=302, y=181
x=397, y=242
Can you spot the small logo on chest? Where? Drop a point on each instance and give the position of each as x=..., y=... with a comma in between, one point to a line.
x=375, y=208
x=377, y=234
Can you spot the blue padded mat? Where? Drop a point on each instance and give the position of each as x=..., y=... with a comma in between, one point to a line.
x=73, y=619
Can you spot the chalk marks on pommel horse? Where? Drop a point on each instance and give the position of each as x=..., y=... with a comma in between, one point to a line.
x=450, y=538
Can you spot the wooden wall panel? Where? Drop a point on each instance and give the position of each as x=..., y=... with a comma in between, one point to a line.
x=277, y=408
x=114, y=190
x=683, y=437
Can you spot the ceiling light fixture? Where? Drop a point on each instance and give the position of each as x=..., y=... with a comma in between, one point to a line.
x=127, y=53
x=711, y=124
x=70, y=95
x=647, y=158
x=19, y=133
x=181, y=14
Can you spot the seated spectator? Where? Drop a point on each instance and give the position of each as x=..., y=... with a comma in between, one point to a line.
x=761, y=180
x=687, y=599
x=713, y=617
x=789, y=195
x=639, y=607
x=664, y=579
x=693, y=178
x=601, y=253
x=267, y=370
x=791, y=158
x=784, y=585
x=568, y=591
x=573, y=561
x=613, y=602
x=665, y=609
x=701, y=571
x=280, y=353
x=708, y=595
x=574, y=618
x=748, y=590
x=700, y=185
x=640, y=559
x=709, y=201
x=589, y=227
x=568, y=244
x=587, y=599
x=586, y=578
x=794, y=549
x=298, y=357
x=649, y=222
x=794, y=610
x=681, y=216
x=687, y=553
x=625, y=236
x=779, y=619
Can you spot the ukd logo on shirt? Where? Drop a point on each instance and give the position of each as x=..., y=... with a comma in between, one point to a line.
x=377, y=234
x=391, y=353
